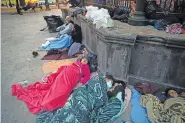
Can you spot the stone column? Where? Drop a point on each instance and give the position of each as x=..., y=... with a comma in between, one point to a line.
x=138, y=19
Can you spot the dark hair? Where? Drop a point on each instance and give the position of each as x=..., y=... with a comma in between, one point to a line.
x=71, y=22
x=168, y=89
x=116, y=81
x=116, y=90
x=110, y=77
x=77, y=34
x=84, y=57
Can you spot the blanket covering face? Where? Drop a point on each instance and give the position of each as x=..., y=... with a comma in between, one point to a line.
x=81, y=103
x=88, y=104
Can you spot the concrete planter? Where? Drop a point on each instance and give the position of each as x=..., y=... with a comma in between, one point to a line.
x=136, y=56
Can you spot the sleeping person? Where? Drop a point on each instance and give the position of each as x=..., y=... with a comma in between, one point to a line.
x=55, y=92
x=88, y=104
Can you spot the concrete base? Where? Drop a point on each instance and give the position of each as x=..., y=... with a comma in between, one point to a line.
x=138, y=19
x=135, y=53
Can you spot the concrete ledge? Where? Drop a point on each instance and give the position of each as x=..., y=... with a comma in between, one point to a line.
x=143, y=52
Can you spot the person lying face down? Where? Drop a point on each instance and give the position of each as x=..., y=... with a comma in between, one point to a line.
x=65, y=28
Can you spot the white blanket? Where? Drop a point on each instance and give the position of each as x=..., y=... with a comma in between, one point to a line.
x=99, y=17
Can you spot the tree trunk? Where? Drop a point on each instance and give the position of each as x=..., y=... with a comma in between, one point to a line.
x=47, y=5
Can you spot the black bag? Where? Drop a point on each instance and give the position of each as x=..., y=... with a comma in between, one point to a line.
x=53, y=22
x=151, y=9
x=93, y=63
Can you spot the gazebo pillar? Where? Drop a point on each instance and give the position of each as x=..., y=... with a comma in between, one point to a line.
x=139, y=19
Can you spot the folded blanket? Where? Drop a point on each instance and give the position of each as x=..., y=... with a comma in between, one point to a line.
x=58, y=43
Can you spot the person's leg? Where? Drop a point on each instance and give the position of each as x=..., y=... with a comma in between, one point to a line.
x=50, y=39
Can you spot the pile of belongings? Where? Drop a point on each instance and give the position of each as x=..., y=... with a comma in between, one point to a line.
x=100, y=17
x=171, y=28
x=53, y=22
x=175, y=29
x=121, y=14
x=156, y=105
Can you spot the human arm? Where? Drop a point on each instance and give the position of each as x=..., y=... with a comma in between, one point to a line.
x=61, y=27
x=66, y=30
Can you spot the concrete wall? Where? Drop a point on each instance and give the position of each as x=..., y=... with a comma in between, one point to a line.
x=136, y=58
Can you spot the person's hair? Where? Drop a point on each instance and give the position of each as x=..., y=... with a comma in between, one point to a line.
x=110, y=77
x=116, y=81
x=71, y=22
x=168, y=89
x=116, y=90
x=83, y=58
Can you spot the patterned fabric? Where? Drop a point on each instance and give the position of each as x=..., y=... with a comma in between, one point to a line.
x=172, y=111
x=161, y=24
x=81, y=103
x=175, y=29
x=107, y=113
x=166, y=4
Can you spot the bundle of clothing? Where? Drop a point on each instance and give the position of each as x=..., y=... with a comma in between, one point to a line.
x=53, y=22
x=176, y=28
x=171, y=28
x=100, y=17
x=156, y=106
x=171, y=24
x=121, y=14
x=88, y=104
x=79, y=11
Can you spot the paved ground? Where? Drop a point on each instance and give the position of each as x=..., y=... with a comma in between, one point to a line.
x=20, y=36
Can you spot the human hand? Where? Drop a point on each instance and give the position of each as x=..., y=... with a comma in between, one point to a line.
x=79, y=85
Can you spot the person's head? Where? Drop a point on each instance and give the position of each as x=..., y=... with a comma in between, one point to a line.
x=84, y=60
x=171, y=92
x=113, y=91
x=68, y=19
x=109, y=79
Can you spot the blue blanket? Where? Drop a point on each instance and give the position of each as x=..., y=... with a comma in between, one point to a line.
x=138, y=113
x=60, y=43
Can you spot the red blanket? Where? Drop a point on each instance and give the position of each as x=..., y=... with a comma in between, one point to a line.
x=51, y=95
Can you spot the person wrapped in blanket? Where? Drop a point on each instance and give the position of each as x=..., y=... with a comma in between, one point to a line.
x=88, y=104
x=63, y=39
x=55, y=92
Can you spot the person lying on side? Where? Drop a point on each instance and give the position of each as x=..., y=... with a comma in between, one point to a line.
x=55, y=92
x=88, y=104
